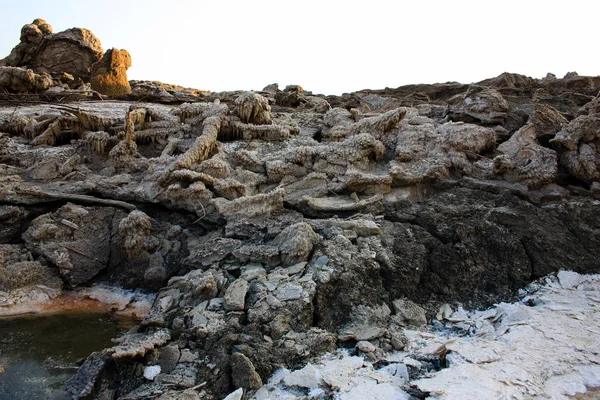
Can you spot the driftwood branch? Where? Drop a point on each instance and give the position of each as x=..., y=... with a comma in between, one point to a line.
x=35, y=196
x=89, y=199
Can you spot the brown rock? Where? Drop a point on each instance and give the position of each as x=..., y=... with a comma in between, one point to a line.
x=243, y=373
x=546, y=120
x=18, y=80
x=479, y=104
x=72, y=51
x=31, y=38
x=109, y=75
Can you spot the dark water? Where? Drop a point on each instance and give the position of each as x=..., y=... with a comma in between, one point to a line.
x=39, y=354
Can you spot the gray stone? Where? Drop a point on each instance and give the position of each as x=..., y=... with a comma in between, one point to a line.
x=322, y=261
x=296, y=268
x=363, y=332
x=365, y=346
x=595, y=189
x=253, y=271
x=289, y=292
x=187, y=356
x=235, y=295
x=168, y=357
x=409, y=313
x=216, y=304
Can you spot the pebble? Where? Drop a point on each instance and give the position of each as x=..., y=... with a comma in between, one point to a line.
x=151, y=372
x=366, y=347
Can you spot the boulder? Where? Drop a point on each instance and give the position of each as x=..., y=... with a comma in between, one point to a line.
x=243, y=372
x=546, y=120
x=523, y=159
x=72, y=51
x=19, y=80
x=479, y=104
x=109, y=75
x=75, y=239
x=235, y=295
x=253, y=109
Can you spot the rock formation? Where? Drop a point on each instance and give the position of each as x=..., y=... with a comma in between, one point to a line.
x=14, y=79
x=275, y=226
x=109, y=75
x=62, y=61
x=72, y=51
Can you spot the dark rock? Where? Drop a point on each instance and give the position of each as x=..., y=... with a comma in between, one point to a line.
x=11, y=219
x=168, y=357
x=82, y=384
x=546, y=120
x=243, y=373
x=65, y=239
x=496, y=243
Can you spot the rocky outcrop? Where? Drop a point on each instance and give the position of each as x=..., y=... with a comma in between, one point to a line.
x=272, y=230
x=14, y=79
x=63, y=64
x=72, y=51
x=581, y=140
x=109, y=75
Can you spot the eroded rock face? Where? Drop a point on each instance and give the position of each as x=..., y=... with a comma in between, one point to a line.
x=109, y=75
x=581, y=138
x=272, y=235
x=72, y=51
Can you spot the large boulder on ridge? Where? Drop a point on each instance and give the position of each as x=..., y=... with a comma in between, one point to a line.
x=72, y=51
x=109, y=75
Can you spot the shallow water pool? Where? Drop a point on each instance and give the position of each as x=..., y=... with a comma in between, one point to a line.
x=38, y=354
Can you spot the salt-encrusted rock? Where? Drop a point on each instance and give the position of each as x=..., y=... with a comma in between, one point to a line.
x=138, y=344
x=307, y=377
x=580, y=138
x=524, y=160
x=19, y=80
x=546, y=120
x=136, y=231
x=409, y=313
x=253, y=108
x=282, y=241
x=366, y=347
x=235, y=295
x=77, y=257
x=479, y=103
x=295, y=243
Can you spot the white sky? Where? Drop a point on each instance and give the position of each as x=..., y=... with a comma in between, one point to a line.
x=328, y=47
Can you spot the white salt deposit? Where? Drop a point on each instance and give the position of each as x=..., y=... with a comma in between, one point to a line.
x=544, y=347
x=151, y=372
x=237, y=395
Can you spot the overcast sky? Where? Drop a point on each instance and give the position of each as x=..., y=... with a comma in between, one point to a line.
x=328, y=47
